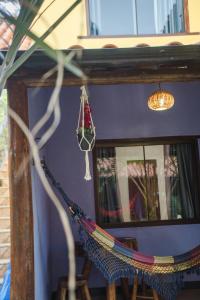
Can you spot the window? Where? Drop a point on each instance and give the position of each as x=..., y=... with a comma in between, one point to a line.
x=146, y=182
x=136, y=17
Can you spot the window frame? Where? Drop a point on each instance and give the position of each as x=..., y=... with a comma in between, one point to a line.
x=146, y=142
x=186, y=21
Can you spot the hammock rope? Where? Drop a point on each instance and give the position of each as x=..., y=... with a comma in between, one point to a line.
x=85, y=130
x=115, y=260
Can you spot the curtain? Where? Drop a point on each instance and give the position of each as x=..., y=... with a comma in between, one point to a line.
x=169, y=16
x=183, y=186
x=95, y=17
x=187, y=180
x=108, y=198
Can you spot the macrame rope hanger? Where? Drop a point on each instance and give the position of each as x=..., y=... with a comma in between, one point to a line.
x=85, y=130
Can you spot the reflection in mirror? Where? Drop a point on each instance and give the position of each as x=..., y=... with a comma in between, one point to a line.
x=146, y=183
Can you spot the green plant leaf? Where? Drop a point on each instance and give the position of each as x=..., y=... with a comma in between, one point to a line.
x=40, y=42
x=28, y=12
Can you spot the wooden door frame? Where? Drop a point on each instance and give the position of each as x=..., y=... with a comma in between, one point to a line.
x=22, y=245
x=140, y=68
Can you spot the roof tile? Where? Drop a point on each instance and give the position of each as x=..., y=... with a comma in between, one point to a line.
x=6, y=36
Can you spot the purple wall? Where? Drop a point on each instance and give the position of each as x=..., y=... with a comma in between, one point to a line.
x=119, y=112
x=41, y=211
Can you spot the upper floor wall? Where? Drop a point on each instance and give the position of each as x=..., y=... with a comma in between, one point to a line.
x=76, y=29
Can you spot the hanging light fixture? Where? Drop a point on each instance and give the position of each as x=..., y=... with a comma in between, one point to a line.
x=160, y=100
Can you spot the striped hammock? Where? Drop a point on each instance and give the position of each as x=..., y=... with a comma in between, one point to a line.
x=115, y=260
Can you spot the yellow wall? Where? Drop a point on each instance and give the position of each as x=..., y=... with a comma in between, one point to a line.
x=194, y=9
x=68, y=33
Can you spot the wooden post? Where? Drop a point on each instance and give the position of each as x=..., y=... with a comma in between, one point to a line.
x=111, y=291
x=22, y=252
x=135, y=288
x=155, y=295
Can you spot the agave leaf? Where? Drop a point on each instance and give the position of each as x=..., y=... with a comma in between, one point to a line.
x=39, y=41
x=29, y=10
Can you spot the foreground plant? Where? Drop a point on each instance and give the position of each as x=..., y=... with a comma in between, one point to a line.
x=20, y=15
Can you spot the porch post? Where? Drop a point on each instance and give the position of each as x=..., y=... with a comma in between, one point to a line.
x=22, y=251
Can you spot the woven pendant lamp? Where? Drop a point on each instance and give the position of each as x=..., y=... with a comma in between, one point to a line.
x=160, y=100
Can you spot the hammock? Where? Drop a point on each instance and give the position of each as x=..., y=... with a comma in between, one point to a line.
x=115, y=260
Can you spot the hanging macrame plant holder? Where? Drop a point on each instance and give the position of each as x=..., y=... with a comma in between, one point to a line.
x=85, y=130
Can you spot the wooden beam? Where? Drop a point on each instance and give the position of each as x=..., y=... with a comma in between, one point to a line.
x=22, y=250
x=114, y=78
x=115, y=66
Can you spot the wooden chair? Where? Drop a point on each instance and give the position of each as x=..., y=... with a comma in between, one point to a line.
x=132, y=243
x=144, y=295
x=82, y=289
x=111, y=287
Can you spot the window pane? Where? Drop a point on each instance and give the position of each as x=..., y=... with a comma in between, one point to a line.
x=111, y=17
x=181, y=188
x=145, y=17
x=108, y=197
x=131, y=182
x=159, y=17
x=128, y=185
x=143, y=190
x=136, y=17
x=156, y=187
x=169, y=16
x=147, y=183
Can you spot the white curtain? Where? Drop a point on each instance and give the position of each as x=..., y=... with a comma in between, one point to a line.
x=95, y=17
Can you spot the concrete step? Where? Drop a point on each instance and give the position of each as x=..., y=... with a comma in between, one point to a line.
x=5, y=179
x=4, y=165
x=3, y=267
x=4, y=191
x=4, y=236
x=4, y=184
x=4, y=201
x=5, y=253
x=3, y=176
x=4, y=222
x=4, y=196
x=3, y=188
x=5, y=210
x=4, y=245
x=4, y=261
x=3, y=171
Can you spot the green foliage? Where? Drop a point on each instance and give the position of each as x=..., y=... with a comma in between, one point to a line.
x=28, y=12
x=22, y=19
x=22, y=23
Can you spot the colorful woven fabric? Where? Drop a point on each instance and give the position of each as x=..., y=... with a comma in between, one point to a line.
x=115, y=260
x=152, y=264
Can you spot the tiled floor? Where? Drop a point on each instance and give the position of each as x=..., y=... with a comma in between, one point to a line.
x=189, y=295
x=193, y=294
x=184, y=295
